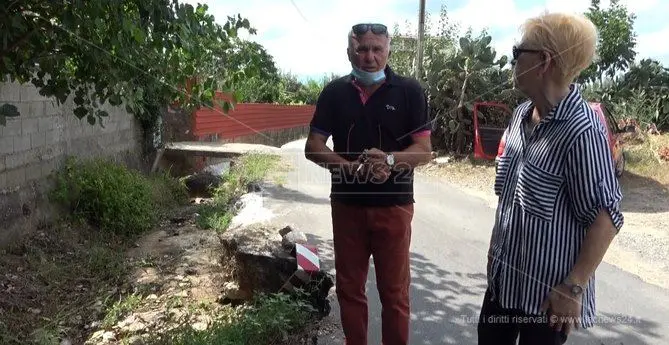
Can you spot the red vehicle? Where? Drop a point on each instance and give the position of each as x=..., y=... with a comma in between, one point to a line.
x=615, y=141
x=487, y=137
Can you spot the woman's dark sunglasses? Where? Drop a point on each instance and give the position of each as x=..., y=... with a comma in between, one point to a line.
x=377, y=29
x=517, y=51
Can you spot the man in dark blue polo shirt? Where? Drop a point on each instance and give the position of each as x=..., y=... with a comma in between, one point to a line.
x=380, y=129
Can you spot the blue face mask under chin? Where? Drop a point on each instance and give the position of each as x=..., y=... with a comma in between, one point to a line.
x=368, y=78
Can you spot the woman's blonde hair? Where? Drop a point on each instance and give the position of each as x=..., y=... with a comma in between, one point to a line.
x=570, y=39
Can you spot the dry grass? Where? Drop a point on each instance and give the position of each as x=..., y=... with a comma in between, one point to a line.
x=643, y=158
x=641, y=248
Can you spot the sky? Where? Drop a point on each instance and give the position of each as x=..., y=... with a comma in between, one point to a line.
x=308, y=37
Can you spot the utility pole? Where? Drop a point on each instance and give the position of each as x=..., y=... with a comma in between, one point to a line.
x=419, y=41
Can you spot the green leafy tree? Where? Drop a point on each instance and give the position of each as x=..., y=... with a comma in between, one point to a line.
x=642, y=93
x=648, y=82
x=648, y=73
x=260, y=78
x=144, y=54
x=296, y=92
x=617, y=41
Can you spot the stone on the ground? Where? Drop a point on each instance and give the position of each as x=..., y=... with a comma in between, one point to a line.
x=233, y=294
x=100, y=337
x=135, y=340
x=292, y=237
x=202, y=184
x=107, y=336
x=131, y=324
x=262, y=264
x=199, y=326
x=283, y=232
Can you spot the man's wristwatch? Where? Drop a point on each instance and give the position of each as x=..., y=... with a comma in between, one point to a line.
x=390, y=159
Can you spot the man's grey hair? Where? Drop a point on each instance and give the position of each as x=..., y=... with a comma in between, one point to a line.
x=351, y=35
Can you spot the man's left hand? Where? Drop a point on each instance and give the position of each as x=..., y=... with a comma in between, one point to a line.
x=563, y=309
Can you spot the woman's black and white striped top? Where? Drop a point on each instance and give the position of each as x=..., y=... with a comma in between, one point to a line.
x=551, y=186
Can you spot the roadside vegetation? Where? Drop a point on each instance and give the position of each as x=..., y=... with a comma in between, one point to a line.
x=129, y=256
x=85, y=278
x=114, y=198
x=69, y=273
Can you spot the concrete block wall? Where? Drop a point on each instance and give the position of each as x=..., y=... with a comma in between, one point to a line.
x=36, y=143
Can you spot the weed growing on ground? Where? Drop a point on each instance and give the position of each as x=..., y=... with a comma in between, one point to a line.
x=214, y=215
x=268, y=320
x=250, y=168
x=54, y=279
x=168, y=192
x=75, y=273
x=122, y=307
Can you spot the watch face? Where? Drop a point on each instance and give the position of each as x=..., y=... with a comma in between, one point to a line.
x=577, y=290
x=390, y=159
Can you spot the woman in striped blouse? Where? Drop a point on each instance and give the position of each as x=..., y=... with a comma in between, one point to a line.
x=559, y=198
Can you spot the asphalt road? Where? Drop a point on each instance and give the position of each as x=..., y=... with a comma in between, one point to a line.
x=451, y=231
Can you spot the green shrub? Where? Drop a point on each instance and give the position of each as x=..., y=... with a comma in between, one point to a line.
x=106, y=195
x=214, y=216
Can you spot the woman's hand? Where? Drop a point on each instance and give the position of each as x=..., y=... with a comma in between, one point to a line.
x=563, y=308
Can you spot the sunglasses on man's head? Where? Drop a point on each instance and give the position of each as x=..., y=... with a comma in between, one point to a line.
x=377, y=29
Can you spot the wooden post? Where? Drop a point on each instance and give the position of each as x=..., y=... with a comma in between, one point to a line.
x=419, y=42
